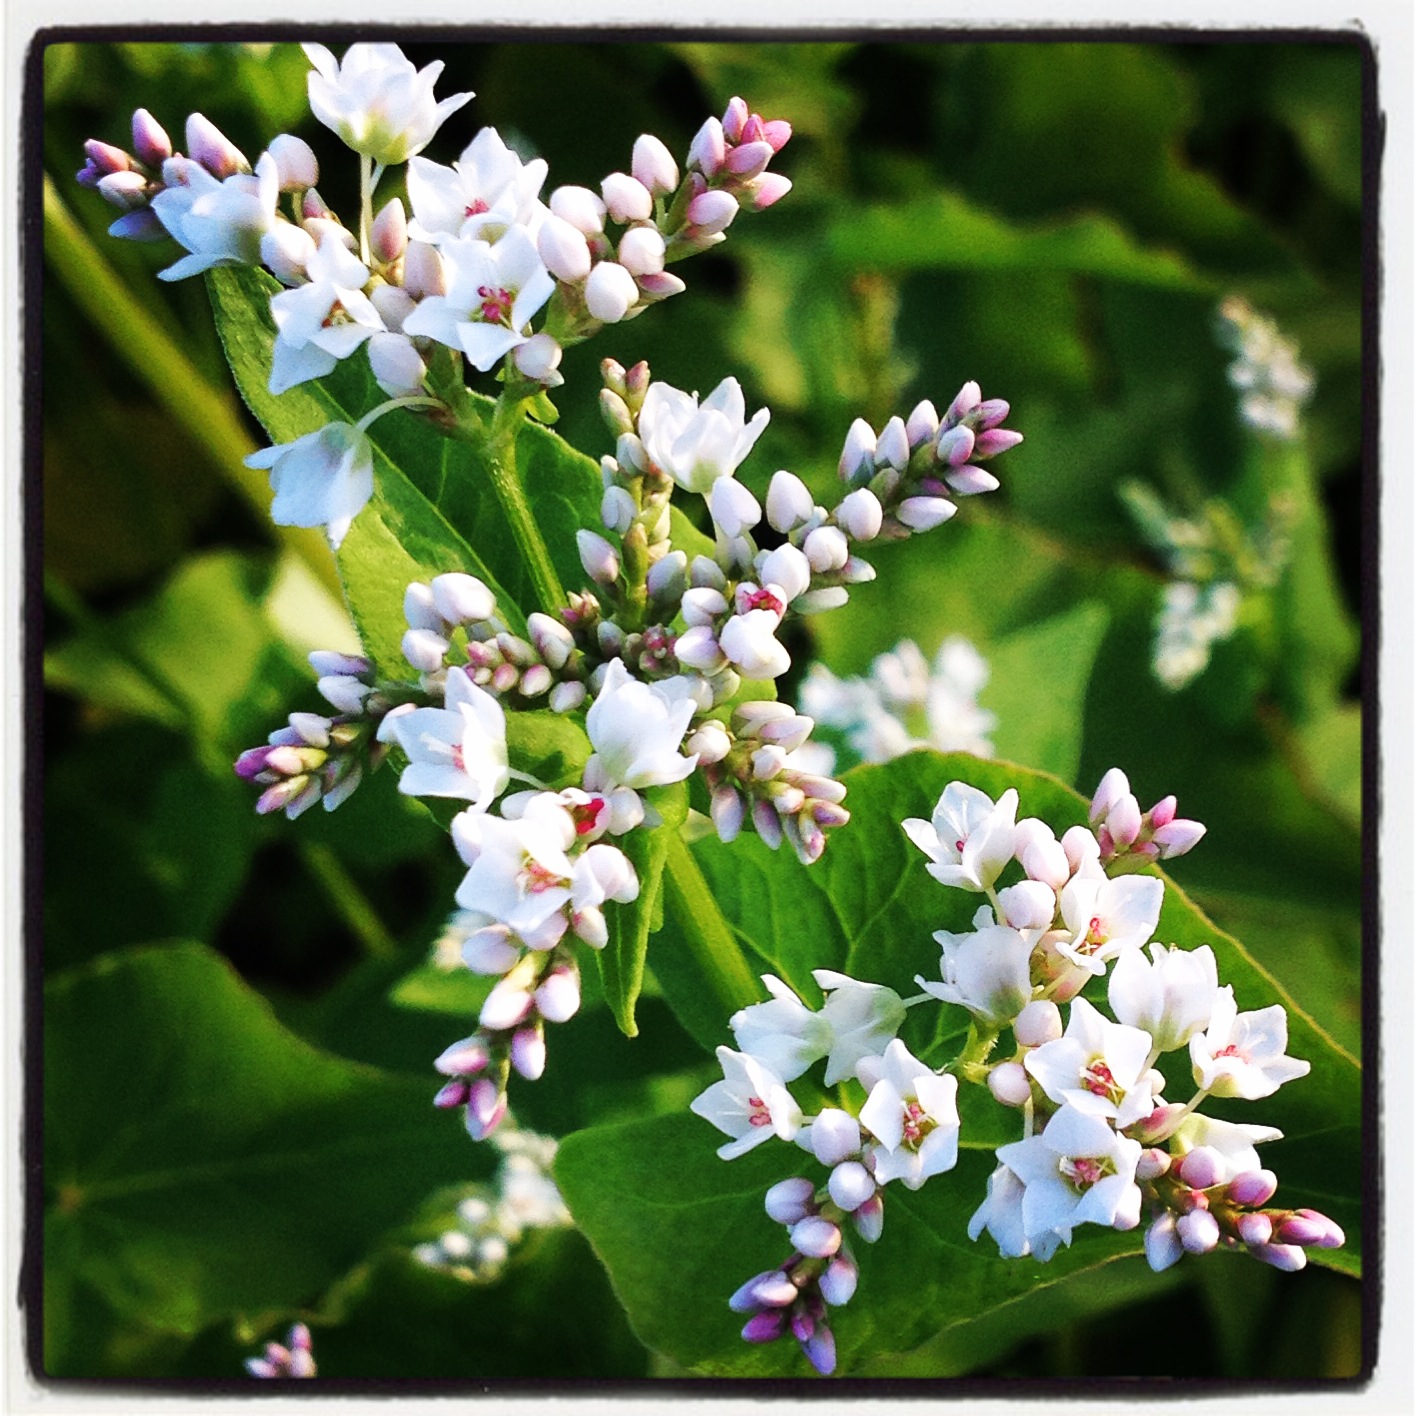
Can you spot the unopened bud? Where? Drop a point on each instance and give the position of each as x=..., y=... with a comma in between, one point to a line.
x=528, y=1051
x=558, y=994
x=869, y=1219
x=396, y=365
x=150, y=140
x=816, y=1237
x=1254, y=1228
x=790, y=1200
x=859, y=515
x=486, y=1106
x=1288, y=1258
x=1153, y=1163
x=1201, y=1168
x=626, y=198
x=567, y=697
x=563, y=249
x=641, y=251
x=653, y=165
x=835, y=1136
x=581, y=207
x=600, y=559
x=208, y=145
x=295, y=164
x=462, y=599
x=726, y=809
x=924, y=513
x=838, y=1282
x=610, y=292
x=1009, y=1083
x=711, y=213
x=851, y=1185
x=1198, y=1231
x=423, y=272
x=1162, y=1244
x=1177, y=837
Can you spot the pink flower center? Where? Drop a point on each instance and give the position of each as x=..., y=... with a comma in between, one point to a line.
x=917, y=1123
x=536, y=878
x=1084, y=1171
x=586, y=815
x=476, y=208
x=1096, y=936
x=1231, y=1051
x=338, y=315
x=458, y=760
x=765, y=600
x=959, y=846
x=1098, y=1080
x=497, y=301
x=758, y=1114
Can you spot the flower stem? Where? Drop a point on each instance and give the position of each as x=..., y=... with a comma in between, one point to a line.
x=501, y=465
x=706, y=933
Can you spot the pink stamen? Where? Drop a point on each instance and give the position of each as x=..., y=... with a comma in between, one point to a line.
x=458, y=760
x=586, y=815
x=759, y=1114
x=765, y=600
x=477, y=207
x=538, y=878
x=1098, y=1080
x=496, y=303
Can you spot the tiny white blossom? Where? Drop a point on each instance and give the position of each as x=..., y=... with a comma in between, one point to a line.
x=1242, y=1054
x=1233, y=1141
x=863, y=1018
x=750, y=1104
x=970, y=838
x=783, y=1032
x=636, y=730
x=1097, y=1066
x=219, y=223
x=487, y=190
x=1001, y=1214
x=698, y=443
x=985, y=971
x=458, y=750
x=322, y=479
x=1107, y=917
x=913, y=1114
x=1171, y=996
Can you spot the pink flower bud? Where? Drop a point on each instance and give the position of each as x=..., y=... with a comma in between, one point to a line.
x=1162, y=813
x=955, y=445
x=749, y=160
x=486, y=1106
x=772, y=1289
x=1198, y=1231
x=869, y=1219
x=766, y=1326
x=388, y=236
x=660, y=285
x=209, y=146
x=567, y=697
x=1254, y=1228
x=767, y=190
x=581, y=207
x=599, y=558
x=295, y=163
x=1298, y=1228
x=423, y=272
x=726, y=809
x=735, y=118
x=835, y=1136
x=590, y=926
x=641, y=251
x=971, y=481
x=558, y=996
x=539, y=359
x=107, y=158
x=1162, y=1243
x=1039, y=1022
x=1123, y=821
x=397, y=366
x=851, y=1185
x=1201, y=1168
x=1009, y=1083
x=711, y=213
x=626, y=198
x=424, y=649
x=820, y=1349
x=924, y=513
x=860, y=514
x=991, y=412
x=1159, y=1125
x=767, y=824
x=610, y=292
x=528, y=1051
x=465, y=1058
x=653, y=165
x=1152, y=1164
x=452, y=1095
x=1288, y=1258
x=536, y=681
x=1177, y=837
x=124, y=189
x=506, y=1005
x=816, y=1237
x=563, y=248
x=490, y=951
x=1112, y=788
x=150, y=140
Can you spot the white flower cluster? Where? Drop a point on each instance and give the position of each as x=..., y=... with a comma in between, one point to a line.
x=476, y=262
x=1272, y=384
x=904, y=703
x=1100, y=1143
x=492, y=1219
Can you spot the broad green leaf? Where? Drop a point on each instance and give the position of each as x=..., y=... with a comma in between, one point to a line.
x=1332, y=748
x=869, y=909
x=1037, y=686
x=547, y=746
x=224, y=1166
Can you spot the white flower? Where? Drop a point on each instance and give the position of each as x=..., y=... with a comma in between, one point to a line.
x=913, y=1114
x=750, y=1104
x=458, y=750
x=1242, y=1054
x=783, y=1032
x=487, y=190
x=323, y=321
x=1234, y=1142
x=750, y=642
x=519, y=873
x=322, y=479
x=1078, y=1171
x=492, y=292
x=1107, y=917
x=863, y=1018
x=1001, y=1214
x=219, y=223
x=698, y=443
x=970, y=839
x=636, y=729
x=1097, y=1066
x=1172, y=997
x=376, y=101
x=985, y=971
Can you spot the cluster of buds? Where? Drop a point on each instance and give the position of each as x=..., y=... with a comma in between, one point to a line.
x=1272, y=384
x=292, y=1358
x=1101, y=1144
x=316, y=758
x=478, y=260
x=751, y=775
x=914, y=464
x=1204, y=1200
x=1130, y=839
x=492, y=1219
x=1192, y=620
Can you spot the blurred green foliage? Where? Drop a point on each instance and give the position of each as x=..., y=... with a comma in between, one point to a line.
x=1057, y=221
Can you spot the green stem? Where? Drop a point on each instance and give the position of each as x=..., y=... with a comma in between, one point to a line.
x=501, y=463
x=706, y=933
x=349, y=901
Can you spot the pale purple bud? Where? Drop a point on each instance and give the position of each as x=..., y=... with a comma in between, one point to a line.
x=251, y=763
x=733, y=507
x=295, y=164
x=768, y=189
x=617, y=510
x=528, y=1051
x=600, y=559
x=489, y=951
x=711, y=743
x=787, y=733
x=820, y=1350
x=748, y=160
x=832, y=597
x=826, y=549
x=838, y=1283
x=668, y=577
x=653, y=165
x=462, y=599
x=789, y=502
x=858, y=455
x=208, y=145
x=424, y=649
x=1112, y=788
x=772, y=1289
x=1254, y=1228
x=709, y=148
x=924, y=513
x=1288, y=1258
x=922, y=425
x=538, y=359
x=610, y=637
x=991, y=412
x=1331, y=1236
x=965, y=401
x=506, y=1005
x=535, y=681
x=567, y=697
x=641, y=251
x=767, y=761
x=610, y=292
x=397, y=366
x=767, y=824
x=1009, y=1083
x=698, y=648
x=869, y=1219
x=626, y=198
x=816, y=1237
x=388, y=236
x=835, y=1136
x=1160, y=1124
x=826, y=814
x=790, y=1200
x=344, y=693
x=1201, y=1168
x=552, y=640
x=106, y=159
x=767, y=1326
x=860, y=515
x=1152, y=1164
x=1177, y=836
x=1162, y=1242
x=423, y=272
x=711, y=213
x=504, y=678
x=486, y=1106
x=726, y=809
x=140, y=225
x=1299, y=1228
x=1030, y=904
x=420, y=609
x=452, y=1094
x=1197, y=1231
x=124, y=189
x=851, y=1185
x=590, y=926
x=563, y=249
x=660, y=284
x=558, y=994
x=581, y=207
x=788, y=568
x=465, y=1058
x=150, y=140
x=994, y=441
x=1124, y=821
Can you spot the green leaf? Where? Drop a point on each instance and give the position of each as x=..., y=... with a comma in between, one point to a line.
x=868, y=908
x=201, y=1161
x=549, y=746
x=622, y=958
x=1037, y=686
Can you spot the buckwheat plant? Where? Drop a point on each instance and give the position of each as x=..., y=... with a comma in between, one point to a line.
x=1099, y=1141
x=665, y=659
